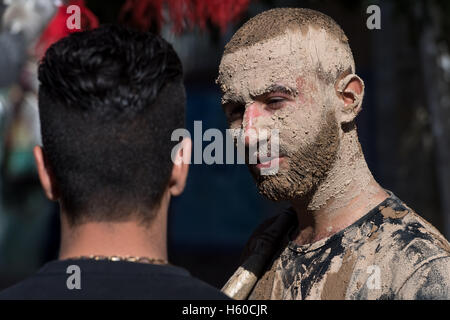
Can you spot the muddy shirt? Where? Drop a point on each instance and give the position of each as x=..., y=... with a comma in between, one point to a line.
x=390, y=253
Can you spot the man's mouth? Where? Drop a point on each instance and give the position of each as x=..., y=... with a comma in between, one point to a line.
x=269, y=162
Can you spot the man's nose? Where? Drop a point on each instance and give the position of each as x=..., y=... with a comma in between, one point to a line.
x=251, y=115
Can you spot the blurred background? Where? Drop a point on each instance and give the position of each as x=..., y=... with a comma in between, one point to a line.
x=404, y=127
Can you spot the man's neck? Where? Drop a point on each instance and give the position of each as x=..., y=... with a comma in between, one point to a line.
x=130, y=238
x=347, y=193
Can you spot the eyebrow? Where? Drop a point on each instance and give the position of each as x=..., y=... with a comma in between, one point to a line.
x=270, y=89
x=225, y=100
x=277, y=88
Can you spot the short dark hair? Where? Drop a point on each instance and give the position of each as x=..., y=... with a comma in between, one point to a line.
x=109, y=100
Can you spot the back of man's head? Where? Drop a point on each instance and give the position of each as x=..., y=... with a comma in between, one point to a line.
x=109, y=100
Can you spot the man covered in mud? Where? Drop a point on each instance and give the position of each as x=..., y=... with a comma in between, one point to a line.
x=344, y=237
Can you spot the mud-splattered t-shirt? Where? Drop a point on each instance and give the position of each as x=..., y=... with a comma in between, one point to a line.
x=390, y=253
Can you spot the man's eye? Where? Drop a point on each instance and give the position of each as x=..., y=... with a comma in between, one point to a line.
x=275, y=102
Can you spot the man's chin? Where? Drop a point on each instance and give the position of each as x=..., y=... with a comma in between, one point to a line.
x=280, y=188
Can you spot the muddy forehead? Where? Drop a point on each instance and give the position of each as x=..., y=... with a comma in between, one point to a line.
x=274, y=22
x=278, y=61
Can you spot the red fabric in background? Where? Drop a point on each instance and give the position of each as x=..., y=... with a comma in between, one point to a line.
x=141, y=14
x=57, y=28
x=183, y=13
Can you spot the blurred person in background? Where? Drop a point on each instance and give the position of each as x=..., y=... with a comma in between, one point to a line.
x=22, y=24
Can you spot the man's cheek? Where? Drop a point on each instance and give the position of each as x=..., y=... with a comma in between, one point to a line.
x=265, y=122
x=292, y=115
x=294, y=134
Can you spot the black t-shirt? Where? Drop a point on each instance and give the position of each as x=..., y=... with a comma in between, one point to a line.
x=90, y=279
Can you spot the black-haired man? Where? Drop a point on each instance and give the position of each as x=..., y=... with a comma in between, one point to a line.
x=109, y=100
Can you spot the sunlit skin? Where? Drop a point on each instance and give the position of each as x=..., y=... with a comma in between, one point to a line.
x=259, y=96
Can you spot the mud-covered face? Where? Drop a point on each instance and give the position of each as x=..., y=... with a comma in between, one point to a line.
x=277, y=85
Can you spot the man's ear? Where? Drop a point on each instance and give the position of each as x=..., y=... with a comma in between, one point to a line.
x=45, y=175
x=350, y=90
x=180, y=169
